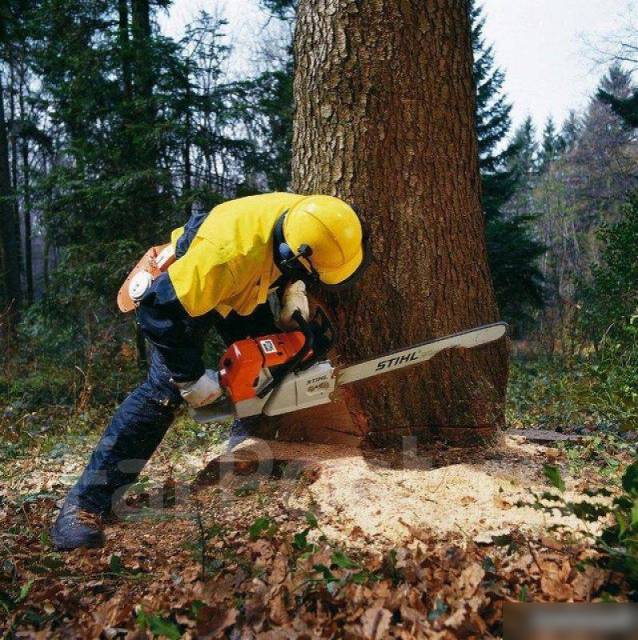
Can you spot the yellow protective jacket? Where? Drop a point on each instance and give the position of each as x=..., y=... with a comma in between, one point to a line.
x=225, y=263
x=229, y=263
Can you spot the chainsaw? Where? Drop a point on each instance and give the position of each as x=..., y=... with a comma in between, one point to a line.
x=285, y=372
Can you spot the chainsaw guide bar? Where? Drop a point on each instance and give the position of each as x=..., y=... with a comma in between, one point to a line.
x=420, y=353
x=278, y=374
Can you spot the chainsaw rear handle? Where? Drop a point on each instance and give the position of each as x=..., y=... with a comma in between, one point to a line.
x=295, y=361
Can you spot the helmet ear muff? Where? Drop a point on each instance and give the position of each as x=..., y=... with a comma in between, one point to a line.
x=287, y=261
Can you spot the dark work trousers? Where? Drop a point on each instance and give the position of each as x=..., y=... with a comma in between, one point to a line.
x=140, y=422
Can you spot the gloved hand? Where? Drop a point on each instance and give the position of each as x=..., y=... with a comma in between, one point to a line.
x=294, y=299
x=202, y=392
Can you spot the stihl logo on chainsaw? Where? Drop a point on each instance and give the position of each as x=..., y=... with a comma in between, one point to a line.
x=394, y=362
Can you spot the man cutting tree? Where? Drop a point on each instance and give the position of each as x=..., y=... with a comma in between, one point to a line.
x=242, y=268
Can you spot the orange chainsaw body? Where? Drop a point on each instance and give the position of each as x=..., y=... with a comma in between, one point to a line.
x=155, y=261
x=241, y=365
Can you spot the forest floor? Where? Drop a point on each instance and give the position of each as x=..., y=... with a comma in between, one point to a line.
x=287, y=541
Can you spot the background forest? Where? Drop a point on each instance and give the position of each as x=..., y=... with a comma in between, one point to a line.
x=112, y=134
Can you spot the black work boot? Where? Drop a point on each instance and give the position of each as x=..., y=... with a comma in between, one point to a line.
x=75, y=527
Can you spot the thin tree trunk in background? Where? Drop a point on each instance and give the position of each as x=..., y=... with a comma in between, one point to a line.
x=385, y=119
x=26, y=197
x=146, y=152
x=46, y=257
x=13, y=144
x=186, y=153
x=45, y=263
x=127, y=78
x=188, y=179
x=26, y=219
x=123, y=35
x=142, y=68
x=8, y=225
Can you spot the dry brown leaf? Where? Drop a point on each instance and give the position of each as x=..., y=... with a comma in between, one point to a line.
x=278, y=612
x=554, y=581
x=556, y=590
x=213, y=621
x=375, y=623
x=357, y=533
x=587, y=582
x=551, y=543
x=456, y=619
x=279, y=569
x=501, y=503
x=191, y=573
x=470, y=579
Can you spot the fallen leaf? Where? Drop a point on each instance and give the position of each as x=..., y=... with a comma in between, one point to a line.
x=470, y=579
x=213, y=621
x=553, y=581
x=279, y=569
x=587, y=582
x=278, y=612
x=456, y=619
x=375, y=623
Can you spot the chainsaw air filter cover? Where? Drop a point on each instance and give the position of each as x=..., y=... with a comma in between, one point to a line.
x=247, y=364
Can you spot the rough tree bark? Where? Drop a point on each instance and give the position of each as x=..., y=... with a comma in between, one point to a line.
x=385, y=119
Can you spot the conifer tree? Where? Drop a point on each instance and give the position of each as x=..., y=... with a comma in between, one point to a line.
x=513, y=252
x=603, y=160
x=524, y=160
x=552, y=144
x=570, y=131
x=623, y=104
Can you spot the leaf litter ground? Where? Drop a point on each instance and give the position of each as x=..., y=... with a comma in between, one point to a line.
x=299, y=541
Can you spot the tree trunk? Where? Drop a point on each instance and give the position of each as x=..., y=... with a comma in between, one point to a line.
x=26, y=218
x=146, y=151
x=141, y=29
x=385, y=120
x=127, y=79
x=125, y=51
x=12, y=130
x=9, y=228
x=187, y=185
x=26, y=193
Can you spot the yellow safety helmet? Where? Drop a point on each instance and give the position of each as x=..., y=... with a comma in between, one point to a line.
x=327, y=233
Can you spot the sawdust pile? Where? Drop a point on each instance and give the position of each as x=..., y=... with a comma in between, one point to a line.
x=389, y=495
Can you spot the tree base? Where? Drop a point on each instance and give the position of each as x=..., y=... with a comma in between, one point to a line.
x=336, y=424
x=326, y=424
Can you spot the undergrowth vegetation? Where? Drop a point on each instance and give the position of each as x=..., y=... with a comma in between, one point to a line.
x=597, y=391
